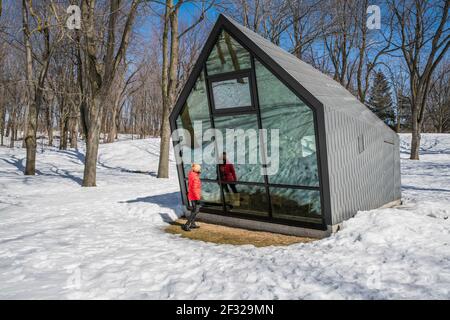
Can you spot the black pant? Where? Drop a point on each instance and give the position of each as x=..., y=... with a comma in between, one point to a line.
x=194, y=212
x=232, y=186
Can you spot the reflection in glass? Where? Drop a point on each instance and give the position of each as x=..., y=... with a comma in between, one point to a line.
x=248, y=199
x=231, y=93
x=211, y=195
x=227, y=55
x=297, y=204
x=227, y=174
x=282, y=109
x=246, y=162
x=195, y=113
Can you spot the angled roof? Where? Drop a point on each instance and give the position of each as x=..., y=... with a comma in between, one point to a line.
x=311, y=84
x=325, y=89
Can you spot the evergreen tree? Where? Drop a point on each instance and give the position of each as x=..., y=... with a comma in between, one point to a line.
x=380, y=100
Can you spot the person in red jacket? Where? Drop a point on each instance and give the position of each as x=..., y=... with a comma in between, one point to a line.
x=194, y=196
x=227, y=174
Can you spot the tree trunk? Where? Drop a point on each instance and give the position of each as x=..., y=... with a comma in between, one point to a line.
x=11, y=135
x=2, y=125
x=90, y=163
x=11, y=128
x=49, y=124
x=25, y=126
x=92, y=142
x=8, y=127
x=169, y=90
x=113, y=128
x=73, y=133
x=415, y=136
x=63, y=133
x=163, y=167
x=30, y=139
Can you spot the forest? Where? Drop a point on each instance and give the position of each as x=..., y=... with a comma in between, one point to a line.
x=90, y=70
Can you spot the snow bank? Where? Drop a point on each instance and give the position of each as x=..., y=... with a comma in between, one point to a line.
x=58, y=240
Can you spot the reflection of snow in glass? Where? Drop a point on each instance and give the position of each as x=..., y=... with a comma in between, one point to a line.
x=308, y=145
x=231, y=93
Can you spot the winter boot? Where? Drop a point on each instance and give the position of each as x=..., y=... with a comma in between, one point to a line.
x=194, y=225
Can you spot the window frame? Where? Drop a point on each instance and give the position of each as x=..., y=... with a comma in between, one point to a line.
x=245, y=73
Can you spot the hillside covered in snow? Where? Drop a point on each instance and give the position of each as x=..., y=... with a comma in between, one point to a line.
x=61, y=241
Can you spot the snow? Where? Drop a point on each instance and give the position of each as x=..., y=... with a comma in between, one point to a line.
x=61, y=241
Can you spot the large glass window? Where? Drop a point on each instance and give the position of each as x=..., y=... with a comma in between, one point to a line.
x=194, y=118
x=240, y=133
x=297, y=204
x=227, y=55
x=232, y=93
x=237, y=183
x=246, y=199
x=281, y=109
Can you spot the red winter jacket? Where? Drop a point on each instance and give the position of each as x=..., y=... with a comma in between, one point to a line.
x=194, y=186
x=227, y=172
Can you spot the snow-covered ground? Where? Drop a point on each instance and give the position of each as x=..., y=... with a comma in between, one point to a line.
x=58, y=240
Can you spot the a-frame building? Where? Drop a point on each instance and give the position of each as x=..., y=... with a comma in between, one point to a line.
x=335, y=156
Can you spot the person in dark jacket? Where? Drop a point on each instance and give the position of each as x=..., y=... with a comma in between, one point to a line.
x=227, y=174
x=194, y=196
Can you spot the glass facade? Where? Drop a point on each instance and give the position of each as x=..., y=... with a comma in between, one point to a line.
x=239, y=183
x=246, y=199
x=297, y=204
x=242, y=132
x=227, y=55
x=283, y=110
x=195, y=119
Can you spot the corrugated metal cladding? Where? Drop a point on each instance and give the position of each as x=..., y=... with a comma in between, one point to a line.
x=360, y=180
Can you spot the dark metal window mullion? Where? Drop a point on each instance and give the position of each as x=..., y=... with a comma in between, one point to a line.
x=180, y=171
x=262, y=184
x=255, y=99
x=211, y=117
x=318, y=161
x=229, y=75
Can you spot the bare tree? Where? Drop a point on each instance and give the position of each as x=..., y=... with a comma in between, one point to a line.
x=168, y=80
x=438, y=102
x=101, y=73
x=35, y=83
x=307, y=21
x=423, y=33
x=340, y=43
x=371, y=48
x=169, y=73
